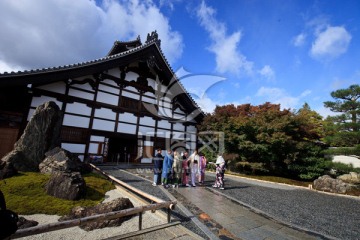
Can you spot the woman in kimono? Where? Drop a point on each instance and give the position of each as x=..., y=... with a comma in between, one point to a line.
x=177, y=169
x=220, y=171
x=202, y=168
x=194, y=166
x=185, y=170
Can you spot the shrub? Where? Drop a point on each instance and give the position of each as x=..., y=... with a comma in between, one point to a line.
x=251, y=168
x=338, y=168
x=344, y=151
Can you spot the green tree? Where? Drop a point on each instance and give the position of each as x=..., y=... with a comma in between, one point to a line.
x=280, y=141
x=347, y=123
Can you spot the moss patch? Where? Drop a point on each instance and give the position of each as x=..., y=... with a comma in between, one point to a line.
x=25, y=194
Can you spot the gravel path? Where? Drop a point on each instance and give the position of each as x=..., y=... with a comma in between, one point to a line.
x=329, y=215
x=145, y=186
x=335, y=216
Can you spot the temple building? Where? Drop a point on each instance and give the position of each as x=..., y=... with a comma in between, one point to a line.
x=118, y=108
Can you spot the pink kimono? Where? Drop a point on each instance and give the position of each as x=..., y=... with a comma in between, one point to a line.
x=186, y=171
x=202, y=168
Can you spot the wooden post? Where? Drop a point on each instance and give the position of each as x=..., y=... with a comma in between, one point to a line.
x=76, y=222
x=140, y=220
x=169, y=215
x=121, y=183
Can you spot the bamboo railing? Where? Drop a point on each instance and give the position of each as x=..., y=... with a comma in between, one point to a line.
x=100, y=217
x=159, y=204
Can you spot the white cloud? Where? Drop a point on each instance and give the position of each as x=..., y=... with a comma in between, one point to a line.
x=299, y=40
x=330, y=43
x=207, y=104
x=267, y=72
x=197, y=86
x=305, y=93
x=280, y=96
x=51, y=32
x=225, y=47
x=5, y=67
x=325, y=112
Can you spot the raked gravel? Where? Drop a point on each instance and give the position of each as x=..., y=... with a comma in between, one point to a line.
x=140, y=183
x=328, y=214
x=333, y=216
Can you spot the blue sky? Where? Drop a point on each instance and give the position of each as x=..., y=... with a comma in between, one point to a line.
x=236, y=51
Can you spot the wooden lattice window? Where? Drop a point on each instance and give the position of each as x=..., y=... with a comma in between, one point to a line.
x=129, y=103
x=75, y=135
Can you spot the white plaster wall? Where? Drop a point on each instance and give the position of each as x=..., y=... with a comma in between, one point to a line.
x=37, y=101
x=148, y=121
x=165, y=112
x=76, y=121
x=31, y=113
x=178, y=135
x=163, y=133
x=179, y=117
x=126, y=128
x=191, y=117
x=78, y=108
x=193, y=145
x=93, y=148
x=114, y=72
x=191, y=136
x=149, y=131
x=81, y=94
x=103, y=125
x=85, y=86
x=108, y=88
x=164, y=124
x=130, y=94
x=179, y=127
x=107, y=98
x=148, y=100
x=151, y=82
x=179, y=111
x=127, y=117
x=105, y=113
x=58, y=87
x=75, y=148
x=131, y=76
x=191, y=128
x=148, y=143
x=97, y=138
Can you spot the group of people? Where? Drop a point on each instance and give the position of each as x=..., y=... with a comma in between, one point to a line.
x=179, y=169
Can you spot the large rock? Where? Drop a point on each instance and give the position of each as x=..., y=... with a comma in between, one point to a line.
x=59, y=159
x=329, y=184
x=351, y=177
x=115, y=205
x=70, y=186
x=25, y=223
x=7, y=170
x=41, y=134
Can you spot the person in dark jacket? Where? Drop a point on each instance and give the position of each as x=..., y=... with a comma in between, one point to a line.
x=166, y=170
x=8, y=219
x=158, y=163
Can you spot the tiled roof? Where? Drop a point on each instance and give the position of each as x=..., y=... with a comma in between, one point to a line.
x=97, y=61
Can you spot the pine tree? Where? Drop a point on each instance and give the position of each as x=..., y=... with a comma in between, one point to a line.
x=346, y=102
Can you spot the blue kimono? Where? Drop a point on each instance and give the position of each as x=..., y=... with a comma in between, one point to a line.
x=167, y=166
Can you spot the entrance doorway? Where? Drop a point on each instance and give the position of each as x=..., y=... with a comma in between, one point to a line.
x=122, y=150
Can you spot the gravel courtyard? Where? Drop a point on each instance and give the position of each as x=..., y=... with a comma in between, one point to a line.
x=329, y=215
